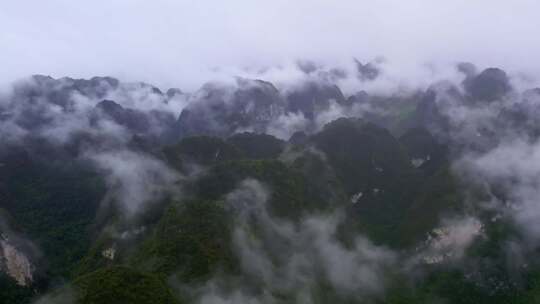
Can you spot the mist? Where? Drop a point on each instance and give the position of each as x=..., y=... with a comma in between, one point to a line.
x=186, y=43
x=190, y=95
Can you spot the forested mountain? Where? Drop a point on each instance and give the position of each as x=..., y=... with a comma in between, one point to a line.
x=250, y=192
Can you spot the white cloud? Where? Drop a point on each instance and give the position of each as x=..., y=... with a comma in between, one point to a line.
x=135, y=179
x=294, y=259
x=179, y=42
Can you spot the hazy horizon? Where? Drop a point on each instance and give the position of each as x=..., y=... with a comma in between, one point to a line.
x=186, y=43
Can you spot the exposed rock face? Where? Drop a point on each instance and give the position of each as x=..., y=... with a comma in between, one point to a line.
x=312, y=98
x=15, y=263
x=451, y=240
x=222, y=110
x=356, y=197
x=109, y=253
x=417, y=162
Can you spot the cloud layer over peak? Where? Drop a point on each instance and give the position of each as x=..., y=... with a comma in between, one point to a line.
x=184, y=43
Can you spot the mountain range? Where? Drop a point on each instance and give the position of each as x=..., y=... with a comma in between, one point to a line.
x=252, y=192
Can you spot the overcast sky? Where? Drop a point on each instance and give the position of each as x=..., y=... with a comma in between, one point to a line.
x=179, y=42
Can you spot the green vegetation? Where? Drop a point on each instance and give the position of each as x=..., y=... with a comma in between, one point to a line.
x=122, y=285
x=204, y=150
x=192, y=240
x=54, y=205
x=290, y=191
x=11, y=293
x=257, y=146
x=189, y=239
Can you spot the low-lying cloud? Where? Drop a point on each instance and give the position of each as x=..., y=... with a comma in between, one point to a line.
x=296, y=260
x=182, y=43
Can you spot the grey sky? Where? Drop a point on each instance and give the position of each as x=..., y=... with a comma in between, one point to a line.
x=178, y=42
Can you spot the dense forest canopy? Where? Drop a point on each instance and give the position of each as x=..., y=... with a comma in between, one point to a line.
x=251, y=192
